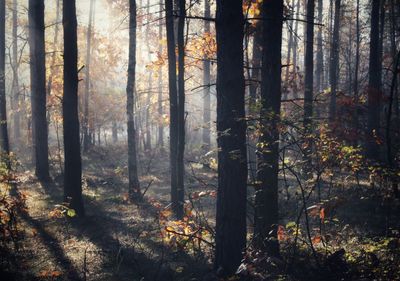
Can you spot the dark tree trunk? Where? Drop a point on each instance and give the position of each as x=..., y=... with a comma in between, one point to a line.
x=206, y=82
x=173, y=101
x=356, y=70
x=4, y=143
x=374, y=85
x=309, y=81
x=160, y=88
x=86, y=134
x=319, y=73
x=38, y=88
x=134, y=185
x=72, y=152
x=114, y=132
x=334, y=61
x=149, y=83
x=289, y=48
x=266, y=205
x=15, y=66
x=179, y=207
x=231, y=126
x=295, y=46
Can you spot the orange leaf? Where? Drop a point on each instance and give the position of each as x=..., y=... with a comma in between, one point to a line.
x=316, y=239
x=322, y=214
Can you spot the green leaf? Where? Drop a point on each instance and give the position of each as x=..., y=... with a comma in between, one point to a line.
x=71, y=213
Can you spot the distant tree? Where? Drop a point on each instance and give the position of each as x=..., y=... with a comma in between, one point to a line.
x=15, y=66
x=374, y=84
x=266, y=201
x=356, y=68
x=38, y=88
x=72, y=152
x=319, y=71
x=334, y=61
x=134, y=185
x=4, y=142
x=160, y=79
x=206, y=82
x=89, y=34
x=232, y=159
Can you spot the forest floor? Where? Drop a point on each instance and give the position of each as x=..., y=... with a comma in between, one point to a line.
x=121, y=240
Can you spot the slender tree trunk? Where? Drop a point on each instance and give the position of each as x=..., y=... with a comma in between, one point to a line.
x=289, y=49
x=160, y=88
x=86, y=135
x=179, y=207
x=266, y=207
x=173, y=101
x=38, y=88
x=134, y=186
x=356, y=71
x=149, y=83
x=309, y=82
x=295, y=46
x=334, y=67
x=232, y=163
x=206, y=82
x=4, y=142
x=374, y=87
x=72, y=152
x=319, y=73
x=53, y=56
x=15, y=66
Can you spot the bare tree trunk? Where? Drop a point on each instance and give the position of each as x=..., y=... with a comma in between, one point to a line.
x=173, y=101
x=179, y=207
x=374, y=87
x=319, y=73
x=15, y=66
x=356, y=70
x=149, y=83
x=38, y=88
x=134, y=186
x=309, y=83
x=72, y=152
x=4, y=141
x=266, y=204
x=160, y=88
x=295, y=46
x=334, y=67
x=232, y=163
x=86, y=135
x=206, y=82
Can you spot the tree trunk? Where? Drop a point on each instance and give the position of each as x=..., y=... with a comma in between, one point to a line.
x=319, y=73
x=15, y=66
x=86, y=138
x=356, y=70
x=206, y=82
x=179, y=207
x=38, y=88
x=4, y=142
x=72, y=152
x=374, y=85
x=134, y=186
x=289, y=49
x=266, y=205
x=160, y=88
x=149, y=83
x=173, y=100
x=231, y=126
x=334, y=67
x=295, y=46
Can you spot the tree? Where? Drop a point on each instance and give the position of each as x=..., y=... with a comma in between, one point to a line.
x=356, y=68
x=38, y=88
x=160, y=88
x=334, y=61
x=319, y=72
x=86, y=134
x=266, y=201
x=134, y=186
x=15, y=66
x=374, y=85
x=309, y=79
x=232, y=159
x=206, y=82
x=72, y=152
x=5, y=146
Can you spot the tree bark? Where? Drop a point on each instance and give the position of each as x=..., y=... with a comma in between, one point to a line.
x=374, y=85
x=160, y=85
x=38, y=88
x=356, y=70
x=206, y=82
x=72, y=152
x=134, y=185
x=4, y=141
x=319, y=73
x=334, y=64
x=15, y=66
x=231, y=126
x=266, y=205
